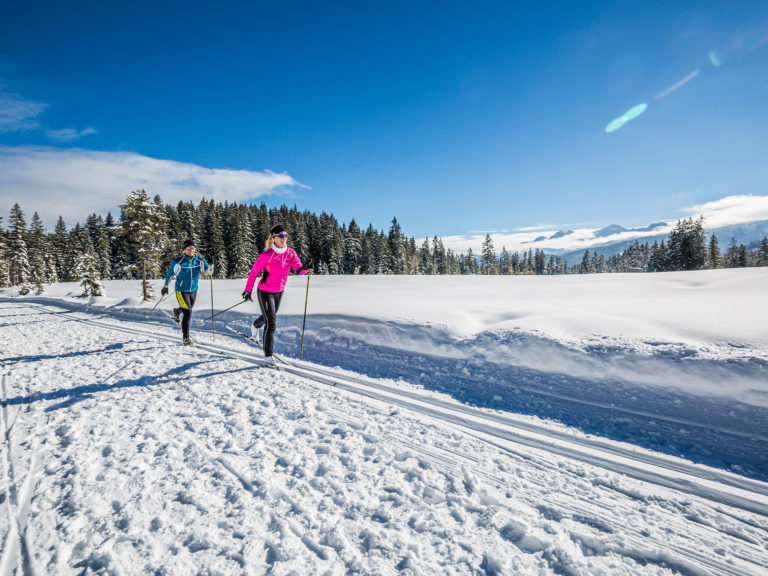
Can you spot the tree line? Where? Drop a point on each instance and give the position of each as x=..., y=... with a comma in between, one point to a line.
x=149, y=233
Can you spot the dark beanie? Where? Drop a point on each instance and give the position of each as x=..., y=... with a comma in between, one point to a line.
x=188, y=243
x=277, y=229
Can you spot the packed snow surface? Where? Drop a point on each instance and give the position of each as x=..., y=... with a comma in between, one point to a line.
x=605, y=424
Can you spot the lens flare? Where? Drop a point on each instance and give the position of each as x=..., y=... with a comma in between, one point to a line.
x=630, y=114
x=714, y=59
x=616, y=124
x=635, y=111
x=676, y=86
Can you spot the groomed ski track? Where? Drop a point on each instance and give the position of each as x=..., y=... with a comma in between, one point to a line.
x=727, y=493
x=510, y=433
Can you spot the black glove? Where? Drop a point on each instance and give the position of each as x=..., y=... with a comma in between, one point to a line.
x=307, y=266
x=247, y=296
x=164, y=291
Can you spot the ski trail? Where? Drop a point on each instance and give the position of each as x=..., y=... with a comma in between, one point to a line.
x=509, y=419
x=288, y=526
x=16, y=551
x=296, y=527
x=656, y=469
x=507, y=432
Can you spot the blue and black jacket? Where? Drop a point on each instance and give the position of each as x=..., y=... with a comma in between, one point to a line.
x=187, y=272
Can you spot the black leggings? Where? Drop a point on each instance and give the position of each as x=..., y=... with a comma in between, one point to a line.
x=269, y=302
x=186, y=302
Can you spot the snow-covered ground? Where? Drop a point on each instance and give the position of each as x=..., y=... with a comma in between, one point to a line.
x=607, y=424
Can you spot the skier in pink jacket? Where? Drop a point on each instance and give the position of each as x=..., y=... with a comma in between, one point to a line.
x=274, y=264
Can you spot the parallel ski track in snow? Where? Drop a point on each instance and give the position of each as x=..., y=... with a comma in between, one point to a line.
x=15, y=550
x=505, y=431
x=522, y=439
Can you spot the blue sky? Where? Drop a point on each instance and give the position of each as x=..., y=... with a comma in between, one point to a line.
x=455, y=117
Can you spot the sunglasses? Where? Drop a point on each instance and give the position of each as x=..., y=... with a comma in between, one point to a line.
x=283, y=235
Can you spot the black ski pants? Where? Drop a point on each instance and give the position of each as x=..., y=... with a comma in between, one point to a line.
x=186, y=301
x=269, y=302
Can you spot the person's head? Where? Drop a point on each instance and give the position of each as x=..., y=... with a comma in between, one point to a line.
x=189, y=248
x=279, y=235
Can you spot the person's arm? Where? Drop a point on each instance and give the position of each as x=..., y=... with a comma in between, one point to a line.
x=168, y=277
x=258, y=266
x=296, y=264
x=207, y=268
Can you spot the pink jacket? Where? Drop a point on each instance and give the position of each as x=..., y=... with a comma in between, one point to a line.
x=278, y=266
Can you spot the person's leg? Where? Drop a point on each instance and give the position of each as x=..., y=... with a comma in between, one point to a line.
x=186, y=303
x=268, y=303
x=256, y=326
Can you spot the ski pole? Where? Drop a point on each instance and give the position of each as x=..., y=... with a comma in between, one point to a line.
x=304, y=323
x=155, y=306
x=213, y=324
x=222, y=312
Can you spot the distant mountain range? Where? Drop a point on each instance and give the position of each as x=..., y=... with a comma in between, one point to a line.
x=611, y=230
x=750, y=234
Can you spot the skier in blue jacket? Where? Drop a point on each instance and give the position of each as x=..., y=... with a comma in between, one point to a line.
x=186, y=269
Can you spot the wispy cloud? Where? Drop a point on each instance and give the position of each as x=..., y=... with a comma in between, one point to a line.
x=69, y=134
x=18, y=114
x=732, y=210
x=677, y=85
x=73, y=183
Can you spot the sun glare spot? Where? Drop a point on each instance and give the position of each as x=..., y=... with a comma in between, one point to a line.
x=630, y=114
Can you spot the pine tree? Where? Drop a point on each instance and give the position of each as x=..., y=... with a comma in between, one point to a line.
x=18, y=261
x=470, y=265
x=4, y=279
x=715, y=258
x=742, y=259
x=762, y=253
x=539, y=262
x=586, y=264
x=235, y=234
x=86, y=269
x=143, y=229
x=441, y=257
x=117, y=249
x=657, y=257
x=598, y=264
x=300, y=240
x=687, y=245
x=488, y=263
x=38, y=256
x=353, y=249
x=60, y=243
x=97, y=231
x=412, y=259
x=212, y=239
x=635, y=258
x=732, y=254
x=331, y=244
x=427, y=263
x=396, y=248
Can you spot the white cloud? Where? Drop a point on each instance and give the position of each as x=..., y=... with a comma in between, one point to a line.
x=732, y=210
x=74, y=182
x=69, y=134
x=18, y=114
